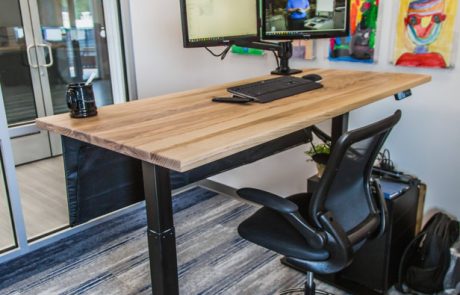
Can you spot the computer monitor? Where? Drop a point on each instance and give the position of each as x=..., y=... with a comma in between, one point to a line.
x=218, y=22
x=304, y=19
x=208, y=23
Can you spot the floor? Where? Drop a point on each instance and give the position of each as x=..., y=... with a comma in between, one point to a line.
x=43, y=198
x=112, y=258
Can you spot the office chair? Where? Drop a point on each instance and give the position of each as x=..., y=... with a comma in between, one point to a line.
x=320, y=232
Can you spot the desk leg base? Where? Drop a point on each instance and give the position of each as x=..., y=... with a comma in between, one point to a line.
x=160, y=230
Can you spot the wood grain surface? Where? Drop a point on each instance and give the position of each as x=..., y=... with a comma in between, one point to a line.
x=185, y=130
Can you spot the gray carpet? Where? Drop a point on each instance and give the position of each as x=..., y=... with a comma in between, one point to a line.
x=112, y=258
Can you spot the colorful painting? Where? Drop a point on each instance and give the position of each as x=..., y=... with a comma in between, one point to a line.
x=360, y=45
x=425, y=33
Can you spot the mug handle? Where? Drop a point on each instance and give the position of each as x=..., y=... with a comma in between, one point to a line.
x=71, y=97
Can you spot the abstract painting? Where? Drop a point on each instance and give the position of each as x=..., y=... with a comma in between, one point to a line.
x=360, y=45
x=425, y=33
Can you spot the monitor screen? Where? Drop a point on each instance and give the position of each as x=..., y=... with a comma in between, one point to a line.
x=304, y=19
x=214, y=22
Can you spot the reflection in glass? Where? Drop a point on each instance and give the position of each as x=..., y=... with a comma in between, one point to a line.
x=14, y=68
x=43, y=196
x=75, y=29
x=7, y=239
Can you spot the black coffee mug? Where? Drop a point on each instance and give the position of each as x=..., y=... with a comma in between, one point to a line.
x=80, y=100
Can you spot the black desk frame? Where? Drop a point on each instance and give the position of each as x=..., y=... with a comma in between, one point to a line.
x=160, y=221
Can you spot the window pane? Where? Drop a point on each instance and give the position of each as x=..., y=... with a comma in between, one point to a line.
x=7, y=239
x=75, y=29
x=15, y=75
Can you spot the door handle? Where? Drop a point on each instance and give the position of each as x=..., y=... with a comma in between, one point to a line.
x=50, y=51
x=29, y=57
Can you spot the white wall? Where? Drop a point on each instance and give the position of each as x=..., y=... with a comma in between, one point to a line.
x=425, y=142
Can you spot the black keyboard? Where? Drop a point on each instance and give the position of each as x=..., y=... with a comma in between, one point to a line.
x=272, y=89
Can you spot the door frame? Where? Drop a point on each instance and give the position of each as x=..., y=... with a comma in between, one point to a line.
x=23, y=245
x=11, y=184
x=130, y=92
x=35, y=138
x=38, y=139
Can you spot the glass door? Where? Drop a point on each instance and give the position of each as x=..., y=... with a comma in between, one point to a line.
x=44, y=46
x=73, y=46
x=48, y=44
x=7, y=236
x=20, y=81
x=73, y=39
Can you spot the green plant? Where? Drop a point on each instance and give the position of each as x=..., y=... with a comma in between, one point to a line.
x=319, y=153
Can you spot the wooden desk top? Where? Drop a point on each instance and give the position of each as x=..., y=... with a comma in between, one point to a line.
x=185, y=130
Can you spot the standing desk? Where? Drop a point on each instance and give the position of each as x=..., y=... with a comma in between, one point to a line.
x=185, y=130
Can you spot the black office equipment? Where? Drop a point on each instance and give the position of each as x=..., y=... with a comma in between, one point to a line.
x=403, y=94
x=203, y=25
x=327, y=19
x=313, y=77
x=375, y=267
x=234, y=99
x=322, y=232
x=272, y=89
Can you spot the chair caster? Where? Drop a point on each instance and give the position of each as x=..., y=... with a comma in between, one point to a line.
x=302, y=291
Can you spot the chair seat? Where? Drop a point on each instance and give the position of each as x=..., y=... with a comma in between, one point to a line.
x=278, y=234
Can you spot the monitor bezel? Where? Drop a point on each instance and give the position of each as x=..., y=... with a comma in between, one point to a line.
x=211, y=43
x=305, y=36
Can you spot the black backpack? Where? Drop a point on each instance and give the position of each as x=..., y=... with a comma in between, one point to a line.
x=426, y=259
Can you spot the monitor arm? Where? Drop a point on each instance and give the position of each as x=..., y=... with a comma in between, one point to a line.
x=283, y=51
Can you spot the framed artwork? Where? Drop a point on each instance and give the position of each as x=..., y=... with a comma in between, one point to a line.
x=425, y=33
x=360, y=45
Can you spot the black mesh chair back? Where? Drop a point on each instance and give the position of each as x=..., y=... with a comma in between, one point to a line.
x=320, y=233
x=345, y=189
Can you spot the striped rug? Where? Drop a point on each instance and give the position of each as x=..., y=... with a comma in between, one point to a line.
x=112, y=258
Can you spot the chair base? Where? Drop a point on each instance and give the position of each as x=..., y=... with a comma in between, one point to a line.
x=310, y=288
x=302, y=291
x=286, y=262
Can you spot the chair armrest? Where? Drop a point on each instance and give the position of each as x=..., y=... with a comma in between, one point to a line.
x=289, y=210
x=268, y=200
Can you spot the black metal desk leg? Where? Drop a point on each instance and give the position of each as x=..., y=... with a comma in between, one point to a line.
x=339, y=127
x=160, y=230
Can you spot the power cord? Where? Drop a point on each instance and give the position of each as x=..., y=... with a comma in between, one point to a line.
x=385, y=161
x=222, y=55
x=277, y=59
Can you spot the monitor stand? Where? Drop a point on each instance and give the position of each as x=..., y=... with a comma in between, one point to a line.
x=282, y=49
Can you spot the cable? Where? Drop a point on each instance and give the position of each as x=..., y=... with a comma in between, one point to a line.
x=385, y=161
x=222, y=55
x=277, y=58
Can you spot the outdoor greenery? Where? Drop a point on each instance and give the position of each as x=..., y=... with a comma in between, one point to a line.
x=82, y=6
x=79, y=6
